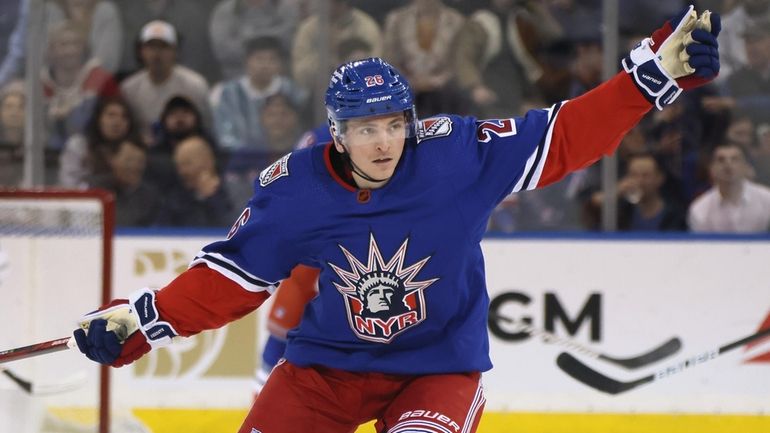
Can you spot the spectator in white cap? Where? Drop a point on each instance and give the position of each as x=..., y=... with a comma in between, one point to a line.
x=161, y=78
x=190, y=19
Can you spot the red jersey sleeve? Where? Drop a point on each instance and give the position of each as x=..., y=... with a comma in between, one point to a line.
x=592, y=125
x=201, y=298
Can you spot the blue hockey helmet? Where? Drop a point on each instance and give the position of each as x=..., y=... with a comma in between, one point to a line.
x=365, y=88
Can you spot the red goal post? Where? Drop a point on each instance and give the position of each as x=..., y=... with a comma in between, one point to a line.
x=52, y=240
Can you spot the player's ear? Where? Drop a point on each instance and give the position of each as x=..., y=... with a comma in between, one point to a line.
x=337, y=145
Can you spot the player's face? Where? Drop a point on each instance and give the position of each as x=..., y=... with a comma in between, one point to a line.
x=375, y=145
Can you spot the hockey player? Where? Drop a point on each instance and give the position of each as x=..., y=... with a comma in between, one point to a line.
x=392, y=212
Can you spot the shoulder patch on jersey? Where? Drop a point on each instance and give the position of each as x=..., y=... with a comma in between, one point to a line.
x=433, y=128
x=275, y=171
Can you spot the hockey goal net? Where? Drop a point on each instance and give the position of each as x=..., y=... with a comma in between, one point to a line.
x=55, y=265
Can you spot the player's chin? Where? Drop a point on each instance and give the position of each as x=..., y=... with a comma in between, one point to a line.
x=385, y=168
x=384, y=173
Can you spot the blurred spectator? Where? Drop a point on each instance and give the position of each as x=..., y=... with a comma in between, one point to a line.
x=750, y=85
x=676, y=137
x=353, y=49
x=761, y=154
x=280, y=121
x=148, y=90
x=558, y=206
x=136, y=203
x=99, y=19
x=505, y=217
x=379, y=9
x=638, y=16
x=732, y=50
x=345, y=23
x=419, y=41
x=642, y=202
x=71, y=83
x=236, y=22
x=12, y=114
x=585, y=65
x=190, y=18
x=200, y=198
x=179, y=120
x=719, y=6
x=577, y=17
x=734, y=204
x=238, y=104
x=555, y=207
x=496, y=55
x=280, y=124
x=13, y=29
x=12, y=101
x=740, y=130
x=85, y=154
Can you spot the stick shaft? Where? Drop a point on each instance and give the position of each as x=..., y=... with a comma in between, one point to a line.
x=36, y=349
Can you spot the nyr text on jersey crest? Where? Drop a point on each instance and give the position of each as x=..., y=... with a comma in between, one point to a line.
x=434, y=127
x=276, y=170
x=382, y=299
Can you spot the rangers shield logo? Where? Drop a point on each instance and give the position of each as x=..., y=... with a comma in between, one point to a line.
x=276, y=170
x=434, y=127
x=382, y=299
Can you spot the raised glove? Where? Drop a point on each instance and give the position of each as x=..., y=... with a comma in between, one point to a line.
x=681, y=55
x=109, y=335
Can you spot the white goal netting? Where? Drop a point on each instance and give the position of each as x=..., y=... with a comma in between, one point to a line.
x=54, y=266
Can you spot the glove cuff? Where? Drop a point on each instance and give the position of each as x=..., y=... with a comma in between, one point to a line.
x=158, y=333
x=650, y=76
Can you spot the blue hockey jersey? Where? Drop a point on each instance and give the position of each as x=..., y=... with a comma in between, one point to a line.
x=402, y=287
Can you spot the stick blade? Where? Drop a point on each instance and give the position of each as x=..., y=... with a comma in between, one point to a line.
x=665, y=350
x=584, y=374
x=24, y=384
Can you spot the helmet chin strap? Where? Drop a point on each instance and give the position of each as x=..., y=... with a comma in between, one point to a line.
x=358, y=171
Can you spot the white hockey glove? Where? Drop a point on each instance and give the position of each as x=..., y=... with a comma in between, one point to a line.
x=109, y=335
x=681, y=55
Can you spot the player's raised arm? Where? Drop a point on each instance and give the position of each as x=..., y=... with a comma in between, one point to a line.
x=680, y=55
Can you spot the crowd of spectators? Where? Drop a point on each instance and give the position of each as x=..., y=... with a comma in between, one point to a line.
x=176, y=106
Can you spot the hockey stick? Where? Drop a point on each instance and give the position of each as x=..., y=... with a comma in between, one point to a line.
x=666, y=349
x=585, y=374
x=24, y=384
x=67, y=384
x=37, y=349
